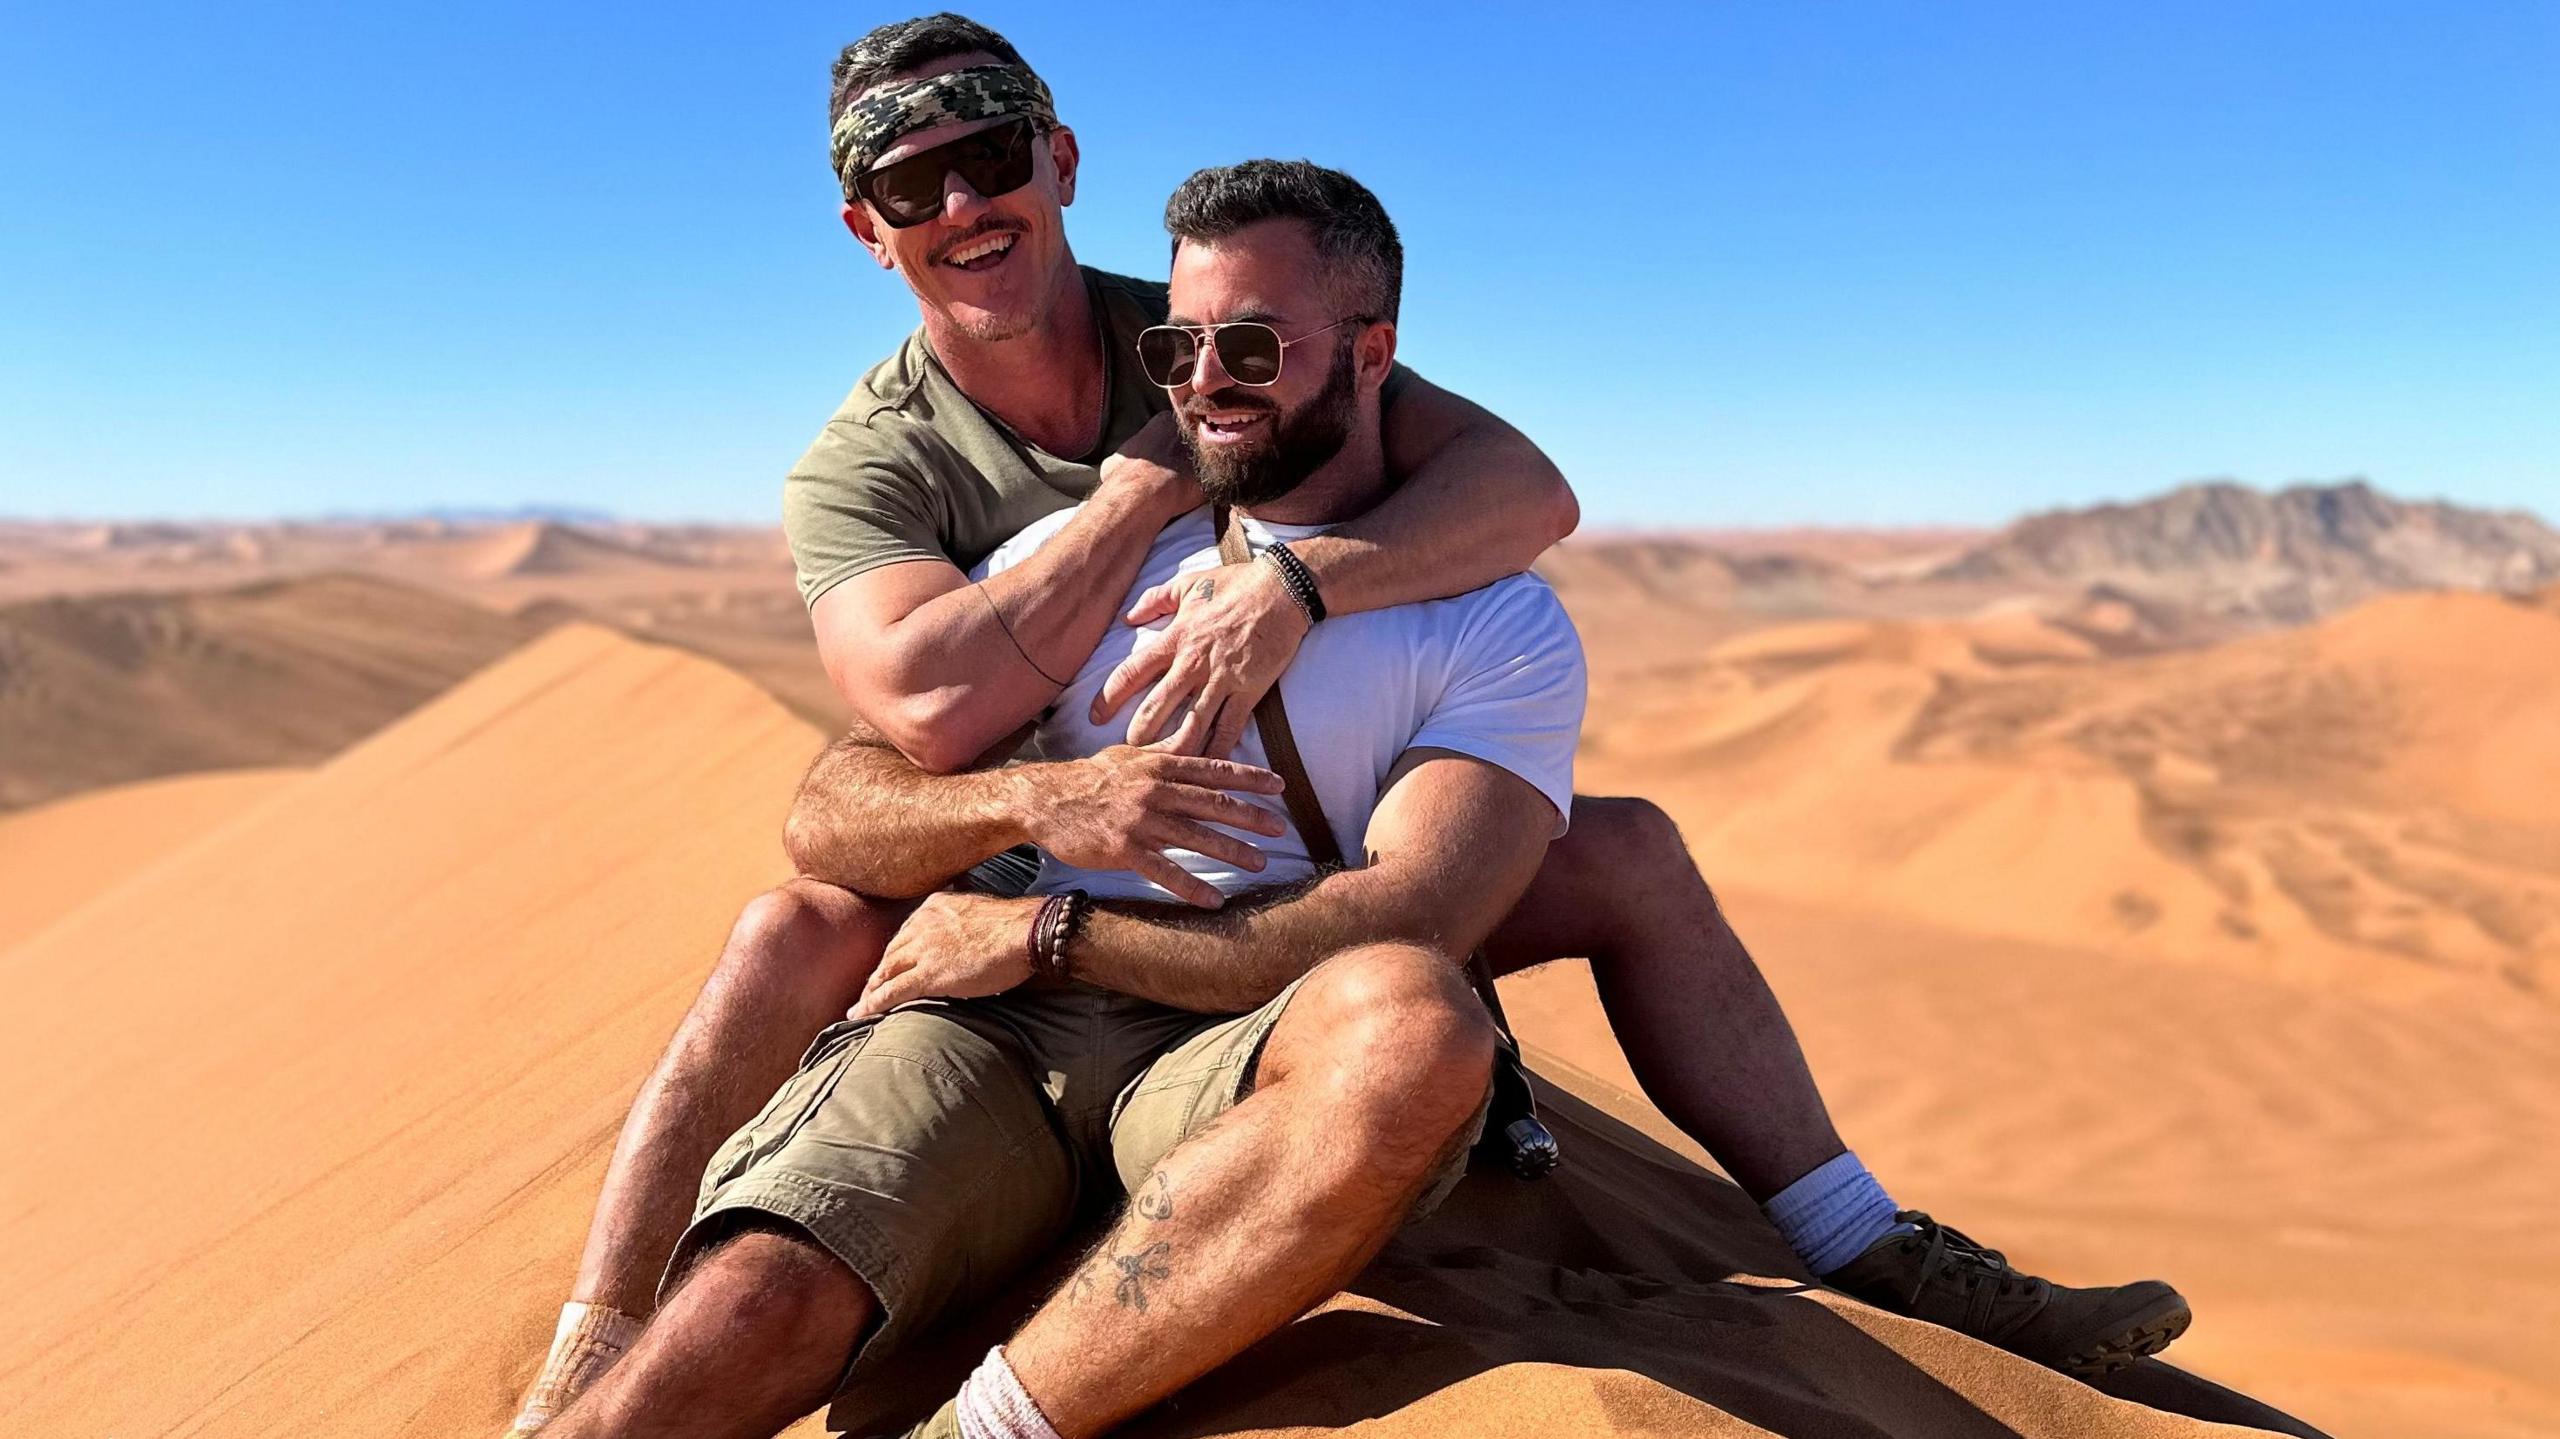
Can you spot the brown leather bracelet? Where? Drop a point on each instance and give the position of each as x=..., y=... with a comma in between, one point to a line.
x=1053, y=929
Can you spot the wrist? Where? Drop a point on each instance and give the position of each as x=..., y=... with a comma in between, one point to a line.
x=1026, y=796
x=1148, y=494
x=1055, y=922
x=1298, y=581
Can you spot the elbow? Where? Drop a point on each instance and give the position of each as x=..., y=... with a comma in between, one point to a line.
x=927, y=730
x=809, y=843
x=1564, y=511
x=826, y=850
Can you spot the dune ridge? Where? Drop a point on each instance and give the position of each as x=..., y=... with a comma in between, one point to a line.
x=61, y=855
x=107, y=689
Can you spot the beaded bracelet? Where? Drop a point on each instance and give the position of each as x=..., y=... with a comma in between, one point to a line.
x=1053, y=929
x=1299, y=581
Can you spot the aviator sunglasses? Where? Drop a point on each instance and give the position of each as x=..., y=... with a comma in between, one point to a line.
x=995, y=161
x=1248, y=350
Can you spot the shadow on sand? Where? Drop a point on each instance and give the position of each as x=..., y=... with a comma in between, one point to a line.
x=1630, y=1261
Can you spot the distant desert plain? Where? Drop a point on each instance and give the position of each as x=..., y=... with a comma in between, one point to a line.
x=2169, y=888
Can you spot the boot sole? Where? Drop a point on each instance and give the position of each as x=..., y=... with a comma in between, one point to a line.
x=2141, y=1339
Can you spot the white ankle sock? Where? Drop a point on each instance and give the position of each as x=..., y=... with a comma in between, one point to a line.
x=588, y=1340
x=994, y=1405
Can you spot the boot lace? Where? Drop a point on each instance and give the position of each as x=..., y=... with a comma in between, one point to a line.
x=1980, y=1274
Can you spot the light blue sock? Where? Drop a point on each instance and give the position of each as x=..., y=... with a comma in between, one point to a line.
x=1833, y=1213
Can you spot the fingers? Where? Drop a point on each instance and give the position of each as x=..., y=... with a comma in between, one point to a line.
x=1228, y=732
x=1160, y=708
x=885, y=980
x=1224, y=809
x=1220, y=774
x=1189, y=737
x=1181, y=883
x=881, y=998
x=1216, y=844
x=1156, y=603
x=1125, y=682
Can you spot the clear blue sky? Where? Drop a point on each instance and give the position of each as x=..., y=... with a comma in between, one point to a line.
x=1746, y=263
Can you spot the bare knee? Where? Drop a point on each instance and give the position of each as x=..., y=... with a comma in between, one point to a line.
x=1626, y=859
x=805, y=932
x=1398, y=1044
x=769, y=1289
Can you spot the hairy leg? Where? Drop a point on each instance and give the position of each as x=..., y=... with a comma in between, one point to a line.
x=1364, y=1087
x=795, y=961
x=755, y=1337
x=1703, y=1033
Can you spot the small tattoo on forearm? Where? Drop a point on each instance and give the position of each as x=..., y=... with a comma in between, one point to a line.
x=1136, y=1269
x=1155, y=1201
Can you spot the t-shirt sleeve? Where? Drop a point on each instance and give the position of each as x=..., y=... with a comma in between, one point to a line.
x=1516, y=690
x=850, y=506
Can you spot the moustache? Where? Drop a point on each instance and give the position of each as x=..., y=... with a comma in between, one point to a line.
x=1226, y=400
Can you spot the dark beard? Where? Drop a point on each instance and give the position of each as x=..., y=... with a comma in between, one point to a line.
x=1301, y=443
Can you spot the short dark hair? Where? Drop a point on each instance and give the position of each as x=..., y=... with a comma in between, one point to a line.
x=904, y=45
x=1351, y=227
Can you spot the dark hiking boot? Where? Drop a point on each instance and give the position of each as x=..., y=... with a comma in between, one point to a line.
x=1936, y=1274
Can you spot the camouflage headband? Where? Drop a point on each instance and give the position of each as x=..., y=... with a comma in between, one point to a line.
x=871, y=125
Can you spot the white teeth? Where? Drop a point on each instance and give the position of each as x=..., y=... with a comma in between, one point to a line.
x=992, y=245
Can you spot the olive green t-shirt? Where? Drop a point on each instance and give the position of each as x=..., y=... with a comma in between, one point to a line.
x=911, y=469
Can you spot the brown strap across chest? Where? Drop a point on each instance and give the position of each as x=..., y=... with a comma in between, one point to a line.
x=1279, y=744
x=1513, y=1132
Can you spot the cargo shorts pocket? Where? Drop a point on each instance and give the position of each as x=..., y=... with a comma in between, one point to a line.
x=828, y=1056
x=918, y=1150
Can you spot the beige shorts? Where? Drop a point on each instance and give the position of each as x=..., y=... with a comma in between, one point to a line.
x=944, y=1148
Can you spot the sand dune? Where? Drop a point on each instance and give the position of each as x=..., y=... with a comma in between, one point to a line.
x=319, y=1155
x=57, y=857
x=2358, y=801
x=307, y=1144
x=540, y=547
x=2234, y=964
x=2344, y=1184
x=105, y=689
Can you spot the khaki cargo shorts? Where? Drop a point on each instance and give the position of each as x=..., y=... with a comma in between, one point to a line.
x=942, y=1149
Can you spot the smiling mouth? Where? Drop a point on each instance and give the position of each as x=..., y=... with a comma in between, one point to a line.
x=984, y=253
x=1227, y=425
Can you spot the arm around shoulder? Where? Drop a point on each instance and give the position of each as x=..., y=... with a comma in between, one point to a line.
x=1476, y=501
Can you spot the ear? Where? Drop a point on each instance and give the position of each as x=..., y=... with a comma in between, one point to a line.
x=1065, y=157
x=865, y=228
x=1374, y=353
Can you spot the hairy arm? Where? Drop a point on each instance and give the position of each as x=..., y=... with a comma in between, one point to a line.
x=1451, y=847
x=870, y=820
x=1477, y=502
x=944, y=669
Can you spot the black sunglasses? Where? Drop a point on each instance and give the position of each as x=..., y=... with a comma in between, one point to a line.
x=1248, y=350
x=995, y=161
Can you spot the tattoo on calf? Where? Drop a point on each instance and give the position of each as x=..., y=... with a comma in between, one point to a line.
x=1155, y=1201
x=1136, y=1269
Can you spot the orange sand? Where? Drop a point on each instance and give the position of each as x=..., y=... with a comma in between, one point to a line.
x=55, y=858
x=2229, y=965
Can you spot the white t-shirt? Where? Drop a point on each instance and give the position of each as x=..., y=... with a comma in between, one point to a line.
x=1496, y=674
